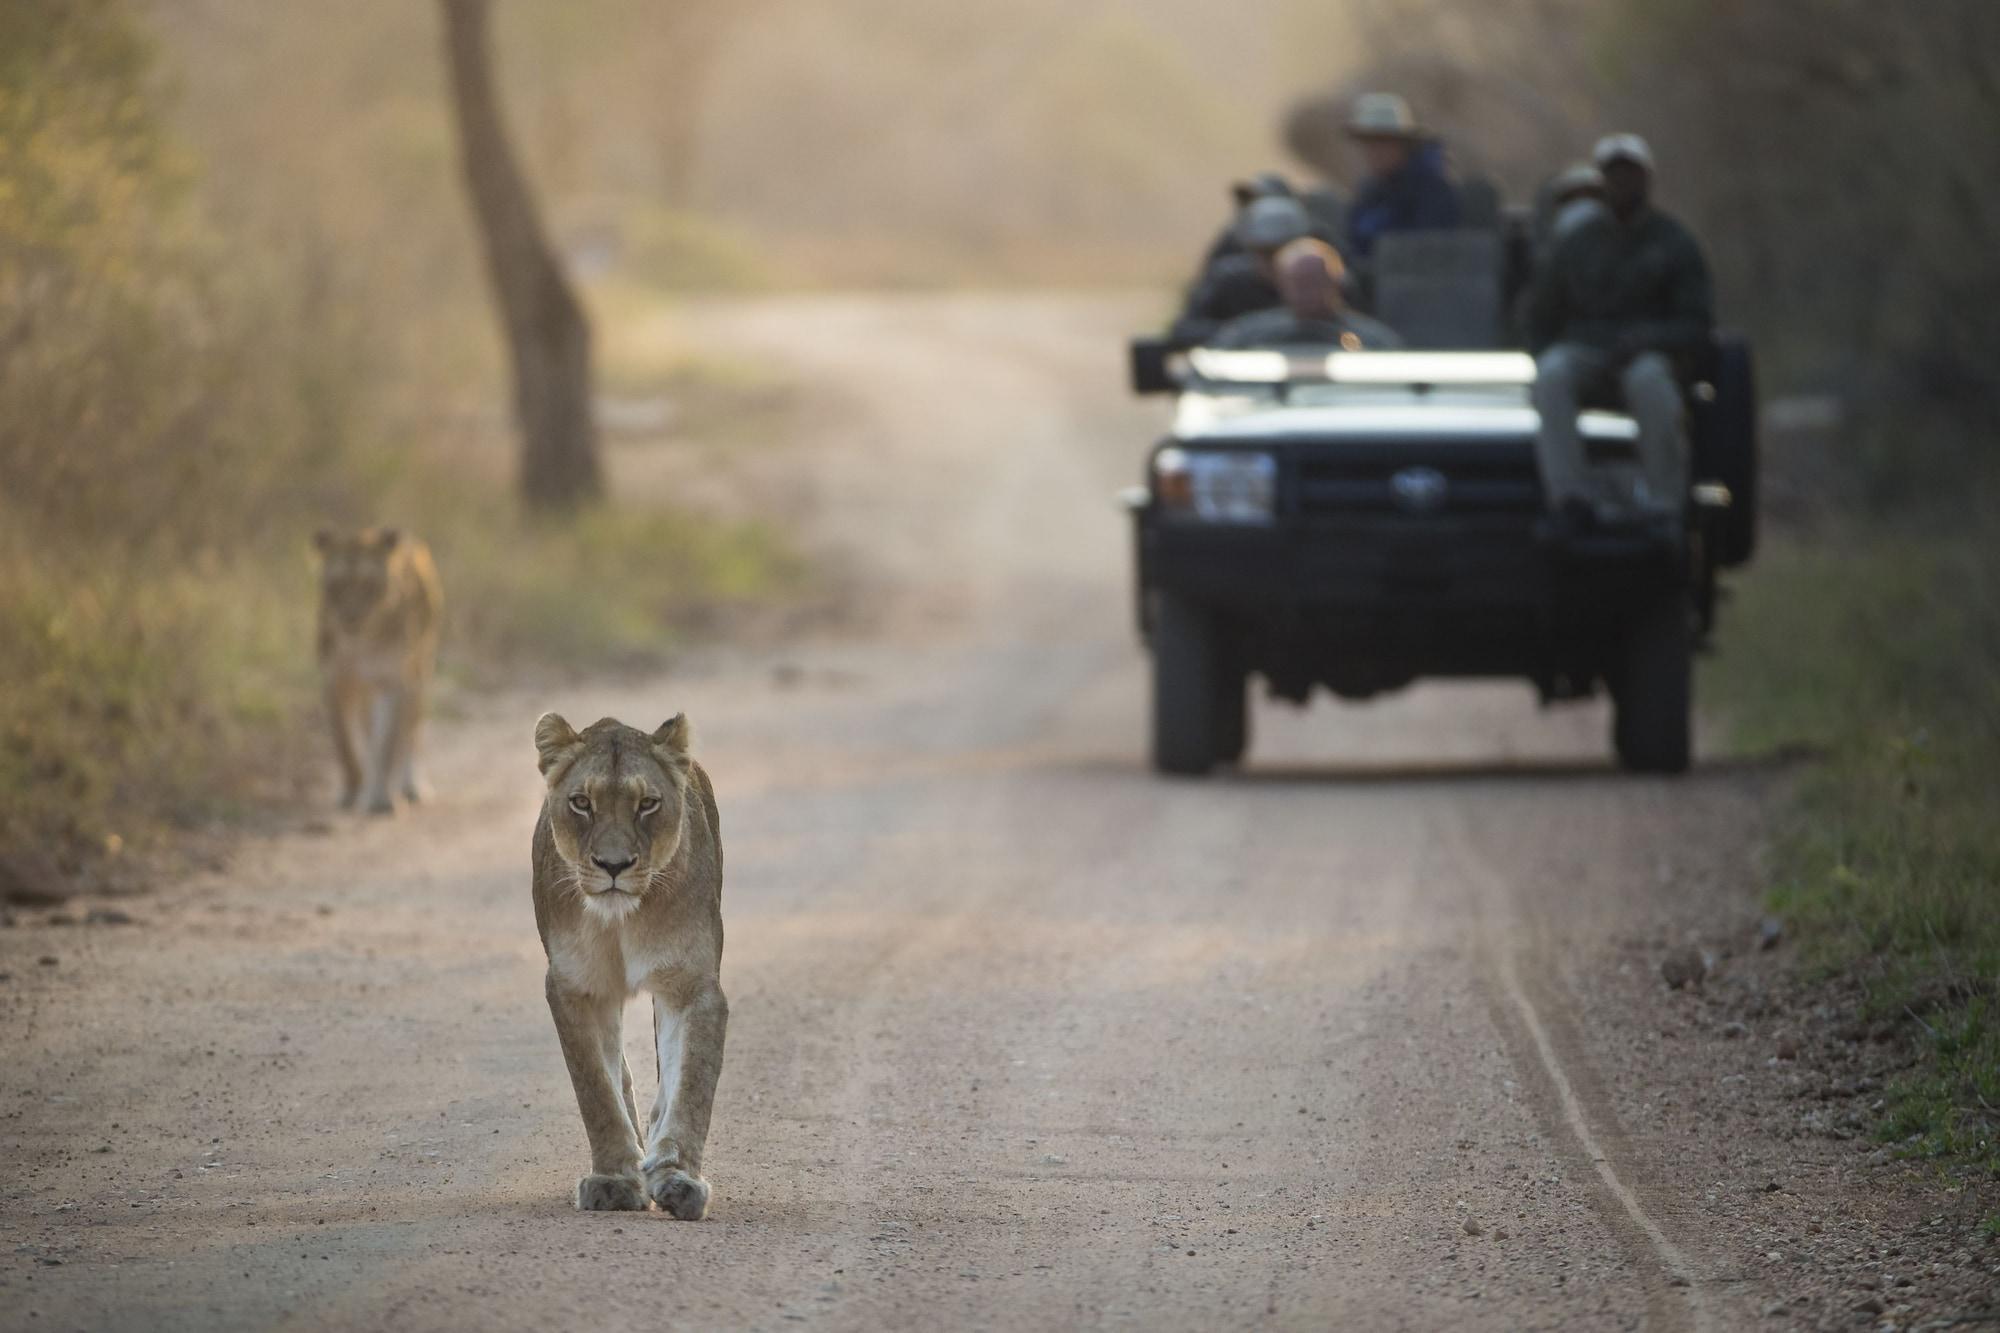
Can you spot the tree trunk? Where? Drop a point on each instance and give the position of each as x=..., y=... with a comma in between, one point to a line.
x=548, y=336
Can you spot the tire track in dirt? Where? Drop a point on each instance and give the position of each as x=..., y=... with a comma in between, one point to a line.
x=1545, y=1047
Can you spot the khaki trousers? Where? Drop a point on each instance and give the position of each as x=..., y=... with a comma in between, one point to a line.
x=1565, y=374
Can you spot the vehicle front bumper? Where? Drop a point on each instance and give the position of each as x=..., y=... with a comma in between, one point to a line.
x=1443, y=595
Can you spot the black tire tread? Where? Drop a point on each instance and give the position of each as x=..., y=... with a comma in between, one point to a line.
x=1184, y=687
x=1232, y=710
x=1653, y=696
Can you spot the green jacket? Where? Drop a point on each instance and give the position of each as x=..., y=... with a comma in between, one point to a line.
x=1625, y=287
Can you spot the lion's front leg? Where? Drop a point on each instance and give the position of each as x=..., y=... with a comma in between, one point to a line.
x=625, y=1086
x=689, y=1038
x=587, y=1026
x=342, y=704
x=397, y=714
x=410, y=716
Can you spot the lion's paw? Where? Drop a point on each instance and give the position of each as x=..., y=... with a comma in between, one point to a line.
x=678, y=1193
x=611, y=1194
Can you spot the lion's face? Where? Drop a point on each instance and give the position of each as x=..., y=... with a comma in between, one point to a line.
x=354, y=571
x=615, y=805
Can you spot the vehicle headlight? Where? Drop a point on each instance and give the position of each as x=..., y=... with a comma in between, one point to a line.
x=1216, y=486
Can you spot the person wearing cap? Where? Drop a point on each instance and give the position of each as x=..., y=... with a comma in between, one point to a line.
x=1576, y=195
x=1405, y=188
x=1323, y=212
x=1264, y=185
x=1314, y=312
x=1245, y=281
x=1622, y=305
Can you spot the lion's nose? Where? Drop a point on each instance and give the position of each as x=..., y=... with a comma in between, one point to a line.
x=614, y=868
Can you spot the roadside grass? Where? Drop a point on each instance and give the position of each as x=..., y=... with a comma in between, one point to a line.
x=678, y=250
x=1951, y=1111
x=1877, y=646
x=650, y=356
x=616, y=587
x=143, y=699
x=137, y=701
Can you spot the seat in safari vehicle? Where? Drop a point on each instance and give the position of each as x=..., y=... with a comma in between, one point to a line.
x=1443, y=290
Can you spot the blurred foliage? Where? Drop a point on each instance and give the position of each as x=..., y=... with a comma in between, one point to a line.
x=1119, y=112
x=84, y=159
x=673, y=249
x=1839, y=158
x=190, y=384
x=974, y=131
x=843, y=141
x=603, y=591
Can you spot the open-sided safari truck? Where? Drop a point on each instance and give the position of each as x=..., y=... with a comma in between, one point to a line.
x=1359, y=519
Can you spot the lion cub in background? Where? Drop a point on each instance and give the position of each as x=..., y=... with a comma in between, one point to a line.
x=628, y=897
x=379, y=610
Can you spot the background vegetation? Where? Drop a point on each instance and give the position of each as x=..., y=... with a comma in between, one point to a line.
x=187, y=390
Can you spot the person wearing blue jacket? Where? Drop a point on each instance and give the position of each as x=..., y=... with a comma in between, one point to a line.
x=1406, y=188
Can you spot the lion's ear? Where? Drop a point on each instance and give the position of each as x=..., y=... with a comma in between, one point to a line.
x=386, y=539
x=555, y=741
x=323, y=540
x=674, y=739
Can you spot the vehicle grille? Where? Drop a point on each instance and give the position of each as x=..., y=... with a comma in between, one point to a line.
x=1483, y=479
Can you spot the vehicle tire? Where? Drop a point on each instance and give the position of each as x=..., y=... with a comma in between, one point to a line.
x=1653, y=696
x=1185, y=687
x=1726, y=445
x=1232, y=709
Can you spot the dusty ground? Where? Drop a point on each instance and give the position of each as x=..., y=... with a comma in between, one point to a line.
x=1370, y=1035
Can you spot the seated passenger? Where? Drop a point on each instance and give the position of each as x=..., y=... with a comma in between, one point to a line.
x=1264, y=185
x=1576, y=195
x=1314, y=313
x=1405, y=188
x=1623, y=305
x=1240, y=283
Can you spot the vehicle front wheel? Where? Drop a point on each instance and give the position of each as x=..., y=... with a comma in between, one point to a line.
x=1232, y=708
x=1654, y=694
x=1185, y=687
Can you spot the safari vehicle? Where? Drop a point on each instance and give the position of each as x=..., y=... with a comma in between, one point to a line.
x=1359, y=519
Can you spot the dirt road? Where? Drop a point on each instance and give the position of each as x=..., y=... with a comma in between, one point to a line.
x=1022, y=1036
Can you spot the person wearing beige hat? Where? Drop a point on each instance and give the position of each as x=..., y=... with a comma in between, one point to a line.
x=1622, y=307
x=1405, y=188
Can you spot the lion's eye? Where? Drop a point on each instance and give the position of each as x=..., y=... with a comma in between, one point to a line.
x=649, y=805
x=580, y=803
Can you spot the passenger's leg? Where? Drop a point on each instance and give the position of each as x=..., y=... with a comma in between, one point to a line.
x=1560, y=377
x=1653, y=396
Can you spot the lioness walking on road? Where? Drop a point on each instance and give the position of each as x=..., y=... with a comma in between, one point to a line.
x=628, y=897
x=379, y=613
